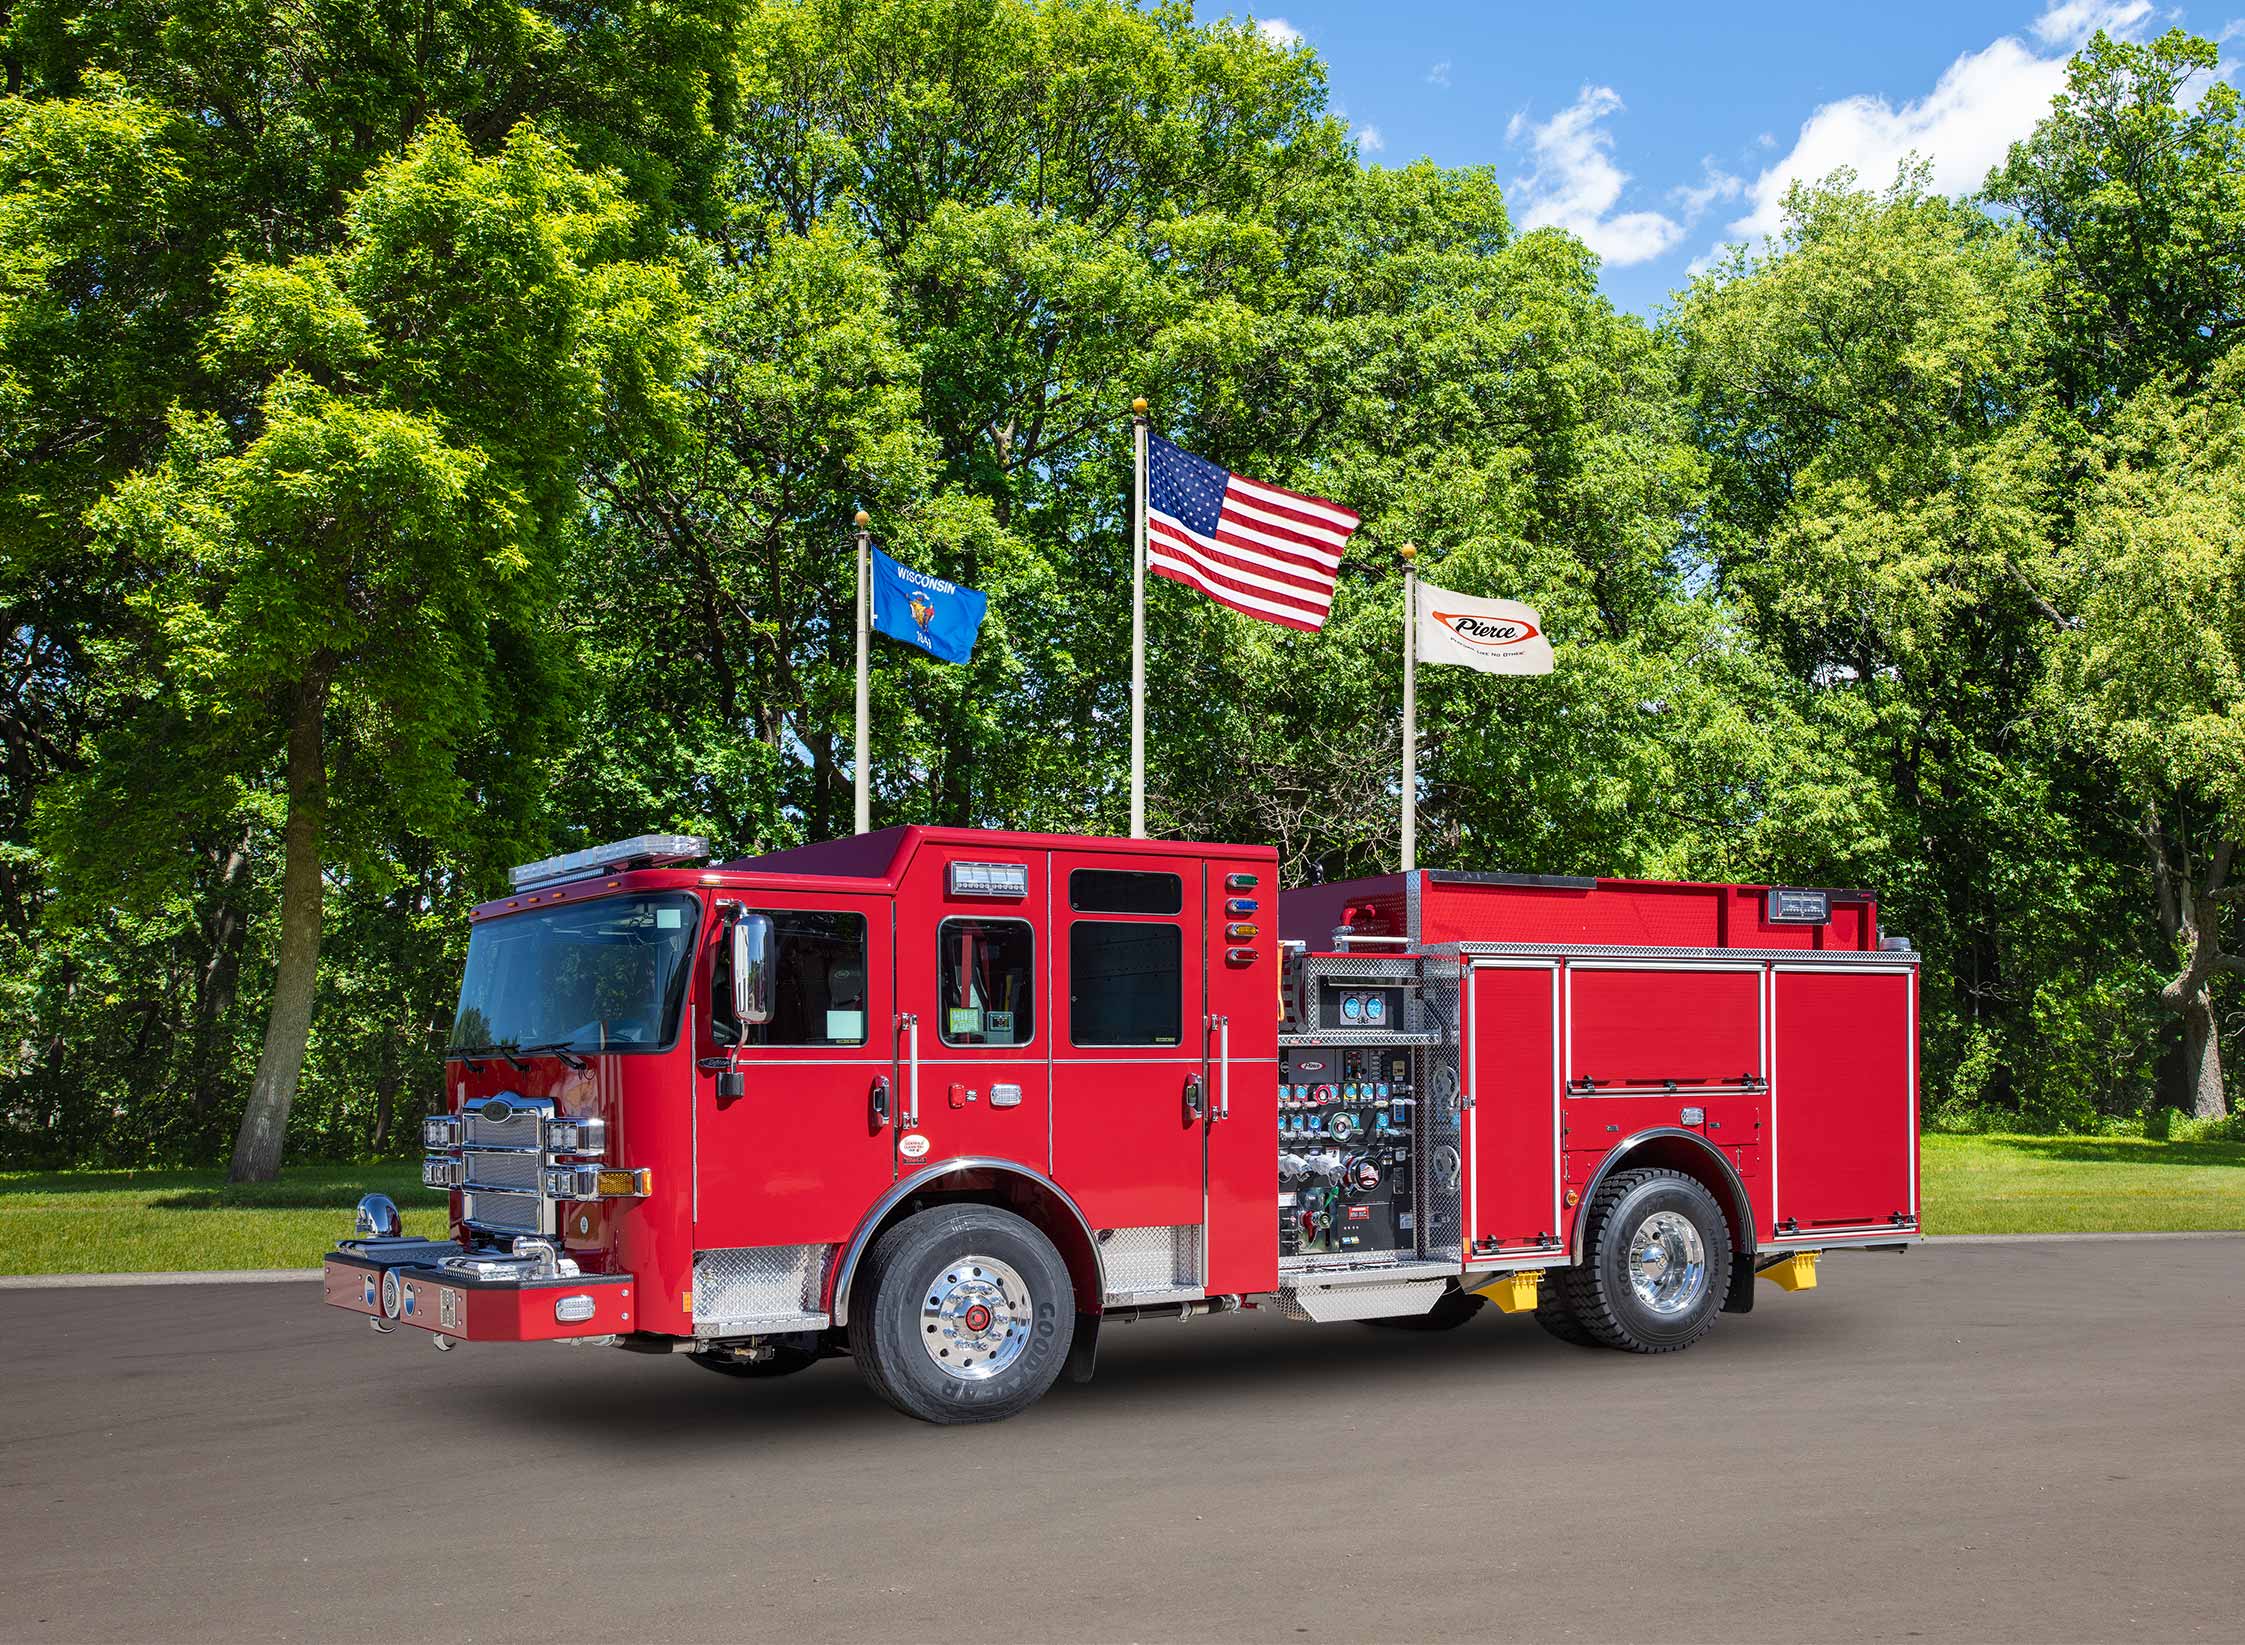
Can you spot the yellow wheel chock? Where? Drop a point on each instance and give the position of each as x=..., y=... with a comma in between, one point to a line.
x=1513, y=1293
x=1794, y=1273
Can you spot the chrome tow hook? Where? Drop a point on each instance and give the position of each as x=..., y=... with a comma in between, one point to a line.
x=445, y=1344
x=382, y=1325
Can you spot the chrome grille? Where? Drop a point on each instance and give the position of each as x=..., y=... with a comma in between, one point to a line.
x=517, y=1129
x=521, y=1213
x=502, y=1170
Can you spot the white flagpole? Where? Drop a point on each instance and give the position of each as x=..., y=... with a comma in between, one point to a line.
x=1410, y=709
x=863, y=780
x=1138, y=630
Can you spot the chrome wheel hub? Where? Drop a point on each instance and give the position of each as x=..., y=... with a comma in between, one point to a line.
x=975, y=1316
x=1667, y=1263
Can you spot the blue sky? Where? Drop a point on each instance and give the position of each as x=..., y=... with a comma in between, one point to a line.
x=1659, y=132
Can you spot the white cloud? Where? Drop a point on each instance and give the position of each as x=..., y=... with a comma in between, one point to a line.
x=1370, y=140
x=2068, y=23
x=1439, y=75
x=1714, y=184
x=1279, y=32
x=1575, y=185
x=1983, y=103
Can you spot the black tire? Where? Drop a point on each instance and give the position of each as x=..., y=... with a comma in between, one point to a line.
x=785, y=1361
x=925, y=1270
x=1598, y=1296
x=1451, y=1311
x=1556, y=1317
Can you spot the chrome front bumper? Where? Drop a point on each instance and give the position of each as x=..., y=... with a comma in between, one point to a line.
x=528, y=1295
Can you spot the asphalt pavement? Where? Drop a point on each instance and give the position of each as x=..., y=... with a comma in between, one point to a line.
x=1996, y=1442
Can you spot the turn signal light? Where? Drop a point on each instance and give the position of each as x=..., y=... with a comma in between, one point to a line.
x=1240, y=933
x=624, y=1184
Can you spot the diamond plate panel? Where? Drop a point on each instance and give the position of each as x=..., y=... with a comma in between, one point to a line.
x=1142, y=1263
x=744, y=1289
x=1325, y=1304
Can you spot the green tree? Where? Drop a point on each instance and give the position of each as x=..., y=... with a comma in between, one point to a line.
x=360, y=569
x=2134, y=189
x=2150, y=679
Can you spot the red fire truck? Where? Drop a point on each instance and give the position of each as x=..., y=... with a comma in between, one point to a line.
x=948, y=1100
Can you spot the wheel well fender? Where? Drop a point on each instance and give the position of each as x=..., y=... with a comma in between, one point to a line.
x=1695, y=1157
x=1007, y=1184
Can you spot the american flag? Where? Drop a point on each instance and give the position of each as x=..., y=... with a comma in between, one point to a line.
x=1260, y=549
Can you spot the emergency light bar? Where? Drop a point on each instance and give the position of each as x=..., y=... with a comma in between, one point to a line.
x=640, y=851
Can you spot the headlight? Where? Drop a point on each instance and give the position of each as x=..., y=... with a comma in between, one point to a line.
x=440, y=1171
x=440, y=1131
x=576, y=1136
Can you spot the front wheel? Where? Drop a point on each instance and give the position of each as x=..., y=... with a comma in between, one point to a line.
x=964, y=1314
x=1658, y=1265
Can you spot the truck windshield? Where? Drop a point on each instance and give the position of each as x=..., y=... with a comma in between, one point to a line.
x=604, y=975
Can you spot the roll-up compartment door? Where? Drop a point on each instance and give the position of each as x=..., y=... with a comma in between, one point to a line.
x=1512, y=1073
x=1645, y=1028
x=1843, y=1098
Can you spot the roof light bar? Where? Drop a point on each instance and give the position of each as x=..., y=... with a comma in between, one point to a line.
x=640, y=851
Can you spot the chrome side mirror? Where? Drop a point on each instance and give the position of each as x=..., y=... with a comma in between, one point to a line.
x=752, y=969
x=378, y=1217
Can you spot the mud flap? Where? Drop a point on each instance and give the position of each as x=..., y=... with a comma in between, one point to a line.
x=1083, y=1350
x=1740, y=1298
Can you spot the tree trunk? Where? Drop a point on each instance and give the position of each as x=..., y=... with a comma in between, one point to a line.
x=2202, y=1056
x=288, y=1020
x=215, y=983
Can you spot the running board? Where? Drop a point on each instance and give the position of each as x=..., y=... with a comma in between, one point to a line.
x=1386, y=1299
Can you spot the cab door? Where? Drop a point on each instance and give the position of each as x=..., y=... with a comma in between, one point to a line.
x=1130, y=1061
x=806, y=1144
x=976, y=1024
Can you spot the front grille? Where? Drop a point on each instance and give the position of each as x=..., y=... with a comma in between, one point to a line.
x=492, y=1169
x=517, y=1129
x=519, y=1213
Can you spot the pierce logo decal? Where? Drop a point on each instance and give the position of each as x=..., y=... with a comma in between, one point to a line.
x=1488, y=633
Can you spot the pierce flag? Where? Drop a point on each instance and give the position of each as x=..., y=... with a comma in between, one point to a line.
x=1494, y=636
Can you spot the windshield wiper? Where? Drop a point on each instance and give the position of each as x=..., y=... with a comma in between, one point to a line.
x=559, y=1048
x=468, y=1054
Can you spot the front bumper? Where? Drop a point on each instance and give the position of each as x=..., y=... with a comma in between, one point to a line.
x=474, y=1296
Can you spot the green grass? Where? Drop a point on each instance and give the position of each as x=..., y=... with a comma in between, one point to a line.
x=2046, y=1185
x=133, y=1222
x=119, y=1222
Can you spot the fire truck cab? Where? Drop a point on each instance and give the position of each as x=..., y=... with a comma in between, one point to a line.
x=947, y=1100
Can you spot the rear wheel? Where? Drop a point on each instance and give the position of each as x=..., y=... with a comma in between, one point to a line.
x=1658, y=1264
x=964, y=1314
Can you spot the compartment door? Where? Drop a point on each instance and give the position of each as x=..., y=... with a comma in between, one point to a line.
x=1512, y=1125
x=1843, y=1093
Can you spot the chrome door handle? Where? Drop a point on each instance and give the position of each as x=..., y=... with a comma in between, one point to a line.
x=1221, y=1107
x=911, y=1025
x=880, y=1099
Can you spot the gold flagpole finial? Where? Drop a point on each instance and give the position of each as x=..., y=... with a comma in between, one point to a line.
x=863, y=519
x=1407, y=553
x=1138, y=407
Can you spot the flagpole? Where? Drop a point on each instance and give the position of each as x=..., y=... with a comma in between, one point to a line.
x=862, y=781
x=1410, y=708
x=1138, y=628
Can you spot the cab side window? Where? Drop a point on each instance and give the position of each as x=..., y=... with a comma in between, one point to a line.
x=818, y=982
x=1126, y=983
x=986, y=976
